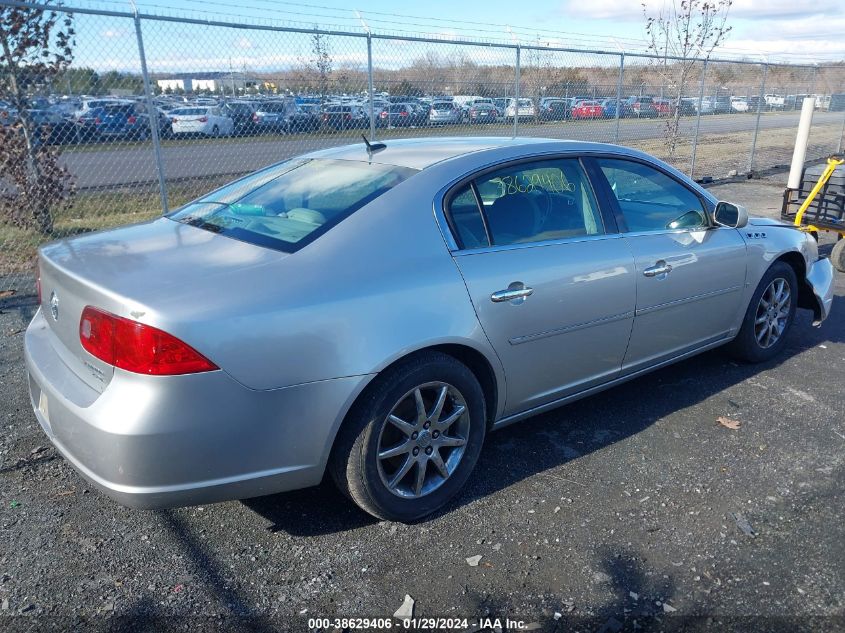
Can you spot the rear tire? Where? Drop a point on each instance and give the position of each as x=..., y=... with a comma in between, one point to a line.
x=769, y=316
x=389, y=438
x=837, y=255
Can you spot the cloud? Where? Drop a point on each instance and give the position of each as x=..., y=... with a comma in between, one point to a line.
x=746, y=9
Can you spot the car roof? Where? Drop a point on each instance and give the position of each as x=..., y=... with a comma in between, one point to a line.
x=421, y=153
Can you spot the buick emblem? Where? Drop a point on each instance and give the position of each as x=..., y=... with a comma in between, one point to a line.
x=54, y=305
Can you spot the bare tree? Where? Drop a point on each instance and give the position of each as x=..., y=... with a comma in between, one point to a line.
x=37, y=45
x=681, y=34
x=321, y=62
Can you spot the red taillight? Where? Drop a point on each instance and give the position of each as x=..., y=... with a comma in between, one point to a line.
x=137, y=347
x=203, y=119
x=131, y=120
x=256, y=118
x=383, y=115
x=97, y=121
x=403, y=113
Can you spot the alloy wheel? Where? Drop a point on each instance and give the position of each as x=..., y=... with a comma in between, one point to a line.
x=772, y=313
x=423, y=440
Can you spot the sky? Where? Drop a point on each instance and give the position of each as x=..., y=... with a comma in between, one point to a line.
x=776, y=30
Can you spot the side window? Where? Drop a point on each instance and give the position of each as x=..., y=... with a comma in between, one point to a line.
x=543, y=200
x=649, y=199
x=466, y=219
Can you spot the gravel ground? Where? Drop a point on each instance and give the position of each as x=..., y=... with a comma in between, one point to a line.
x=632, y=508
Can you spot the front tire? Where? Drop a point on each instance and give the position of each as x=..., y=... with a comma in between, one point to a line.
x=411, y=442
x=769, y=316
x=837, y=255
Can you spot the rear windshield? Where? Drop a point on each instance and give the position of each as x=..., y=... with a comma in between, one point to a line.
x=189, y=111
x=291, y=204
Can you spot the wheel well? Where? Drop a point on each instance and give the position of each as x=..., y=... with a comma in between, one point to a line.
x=806, y=298
x=473, y=359
x=479, y=366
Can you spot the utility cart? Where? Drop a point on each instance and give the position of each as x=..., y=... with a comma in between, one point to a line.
x=819, y=204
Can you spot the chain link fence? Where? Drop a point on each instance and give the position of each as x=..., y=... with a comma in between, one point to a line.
x=154, y=110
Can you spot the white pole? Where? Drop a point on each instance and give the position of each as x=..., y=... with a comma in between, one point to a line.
x=800, y=153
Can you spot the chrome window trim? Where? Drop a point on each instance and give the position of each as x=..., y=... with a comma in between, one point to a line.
x=439, y=202
x=466, y=252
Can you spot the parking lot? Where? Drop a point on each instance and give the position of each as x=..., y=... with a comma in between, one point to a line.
x=631, y=509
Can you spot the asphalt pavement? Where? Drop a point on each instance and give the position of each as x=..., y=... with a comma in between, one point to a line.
x=122, y=163
x=632, y=509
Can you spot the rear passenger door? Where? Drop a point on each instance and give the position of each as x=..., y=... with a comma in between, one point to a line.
x=690, y=272
x=551, y=280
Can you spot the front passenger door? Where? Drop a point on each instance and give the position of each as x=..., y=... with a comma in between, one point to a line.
x=552, y=284
x=690, y=273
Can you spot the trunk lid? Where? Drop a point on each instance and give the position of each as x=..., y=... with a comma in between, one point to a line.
x=146, y=272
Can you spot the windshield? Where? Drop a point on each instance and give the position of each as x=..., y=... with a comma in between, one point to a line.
x=291, y=204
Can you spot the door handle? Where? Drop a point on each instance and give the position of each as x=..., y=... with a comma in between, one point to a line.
x=660, y=268
x=517, y=290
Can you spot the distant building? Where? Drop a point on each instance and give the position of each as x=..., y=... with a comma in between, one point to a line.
x=221, y=82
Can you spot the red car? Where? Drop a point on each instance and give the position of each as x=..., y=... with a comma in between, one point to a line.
x=663, y=107
x=587, y=110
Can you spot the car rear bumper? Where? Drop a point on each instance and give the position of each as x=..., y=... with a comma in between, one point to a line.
x=156, y=442
x=821, y=280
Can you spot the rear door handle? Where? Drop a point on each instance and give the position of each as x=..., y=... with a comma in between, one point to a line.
x=660, y=268
x=517, y=291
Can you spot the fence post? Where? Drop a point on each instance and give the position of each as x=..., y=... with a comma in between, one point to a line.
x=619, y=94
x=153, y=111
x=697, y=121
x=370, y=86
x=516, y=96
x=841, y=135
x=757, y=122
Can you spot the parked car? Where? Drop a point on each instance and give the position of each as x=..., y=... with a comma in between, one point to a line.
x=270, y=116
x=722, y=104
x=86, y=106
x=242, y=114
x=609, y=108
x=204, y=120
x=705, y=105
x=587, y=110
x=739, y=104
x=663, y=106
x=524, y=110
x=307, y=319
x=88, y=125
x=552, y=109
x=686, y=107
x=303, y=118
x=483, y=111
x=501, y=104
x=54, y=129
x=642, y=107
x=443, y=112
x=124, y=121
x=401, y=115
x=345, y=117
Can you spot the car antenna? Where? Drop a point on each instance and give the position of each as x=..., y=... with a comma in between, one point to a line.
x=372, y=148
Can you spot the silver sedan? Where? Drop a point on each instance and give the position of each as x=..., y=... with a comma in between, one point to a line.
x=375, y=311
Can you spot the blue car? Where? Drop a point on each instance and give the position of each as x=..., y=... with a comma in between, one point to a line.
x=609, y=106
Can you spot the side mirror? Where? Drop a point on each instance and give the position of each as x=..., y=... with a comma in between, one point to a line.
x=734, y=216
